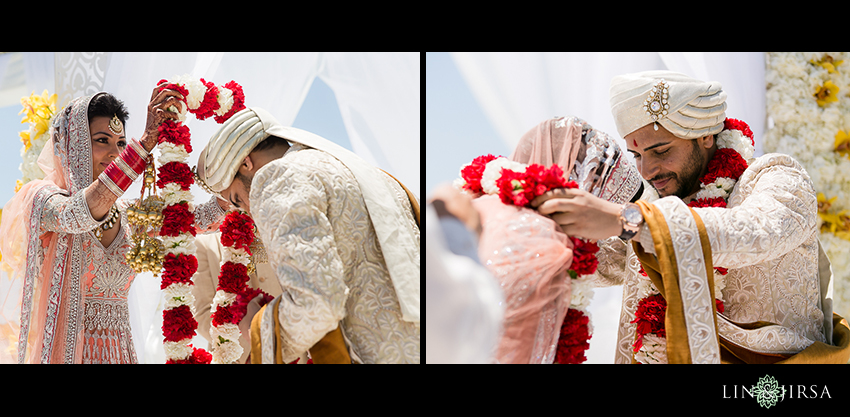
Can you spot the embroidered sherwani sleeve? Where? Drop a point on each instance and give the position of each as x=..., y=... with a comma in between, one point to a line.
x=772, y=211
x=68, y=214
x=290, y=207
x=208, y=216
x=612, y=263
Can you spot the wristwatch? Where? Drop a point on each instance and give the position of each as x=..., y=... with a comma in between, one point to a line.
x=631, y=219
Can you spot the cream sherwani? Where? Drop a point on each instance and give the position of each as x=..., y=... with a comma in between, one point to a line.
x=209, y=253
x=768, y=239
x=321, y=242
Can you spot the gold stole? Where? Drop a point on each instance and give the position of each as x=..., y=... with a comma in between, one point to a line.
x=662, y=269
x=664, y=272
x=330, y=349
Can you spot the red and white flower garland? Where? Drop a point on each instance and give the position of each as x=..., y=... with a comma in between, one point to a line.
x=519, y=184
x=237, y=234
x=203, y=99
x=735, y=147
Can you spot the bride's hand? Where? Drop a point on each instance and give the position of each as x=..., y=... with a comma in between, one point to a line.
x=161, y=107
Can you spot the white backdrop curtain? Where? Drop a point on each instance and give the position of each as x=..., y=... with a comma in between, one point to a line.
x=377, y=94
x=516, y=91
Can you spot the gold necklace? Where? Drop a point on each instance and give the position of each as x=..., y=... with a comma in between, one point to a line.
x=108, y=224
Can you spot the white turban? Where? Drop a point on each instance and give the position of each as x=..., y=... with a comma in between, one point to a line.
x=686, y=107
x=233, y=141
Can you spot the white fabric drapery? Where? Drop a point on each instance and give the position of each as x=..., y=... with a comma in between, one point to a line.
x=518, y=90
x=377, y=94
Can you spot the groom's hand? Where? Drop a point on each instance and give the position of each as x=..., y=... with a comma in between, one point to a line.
x=580, y=213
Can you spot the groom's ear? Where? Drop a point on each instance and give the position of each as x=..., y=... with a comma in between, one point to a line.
x=248, y=163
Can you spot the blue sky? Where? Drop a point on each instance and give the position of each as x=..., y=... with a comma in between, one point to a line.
x=319, y=114
x=456, y=129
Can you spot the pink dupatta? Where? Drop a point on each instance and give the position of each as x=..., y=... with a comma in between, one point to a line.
x=528, y=253
x=46, y=265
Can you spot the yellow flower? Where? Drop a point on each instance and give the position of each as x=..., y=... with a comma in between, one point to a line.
x=25, y=138
x=18, y=185
x=823, y=203
x=38, y=109
x=827, y=93
x=842, y=143
x=828, y=62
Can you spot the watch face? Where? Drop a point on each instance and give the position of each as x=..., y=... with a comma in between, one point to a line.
x=632, y=215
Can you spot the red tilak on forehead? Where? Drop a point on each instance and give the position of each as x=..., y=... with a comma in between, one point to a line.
x=635, y=142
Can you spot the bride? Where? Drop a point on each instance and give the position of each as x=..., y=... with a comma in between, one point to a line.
x=70, y=234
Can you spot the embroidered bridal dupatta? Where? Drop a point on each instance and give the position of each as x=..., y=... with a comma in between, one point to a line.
x=46, y=266
x=682, y=272
x=528, y=253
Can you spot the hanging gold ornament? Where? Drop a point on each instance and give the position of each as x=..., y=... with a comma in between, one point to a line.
x=145, y=217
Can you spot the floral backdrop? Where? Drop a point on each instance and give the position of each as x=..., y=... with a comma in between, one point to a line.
x=808, y=109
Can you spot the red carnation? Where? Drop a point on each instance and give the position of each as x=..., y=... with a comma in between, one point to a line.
x=552, y=178
x=222, y=315
x=727, y=163
x=210, y=102
x=178, y=269
x=238, y=102
x=708, y=202
x=720, y=306
x=513, y=188
x=178, y=324
x=176, y=87
x=733, y=124
x=650, y=318
x=175, y=133
x=574, y=338
x=175, y=172
x=473, y=172
x=240, y=306
x=177, y=219
x=722, y=271
x=237, y=230
x=233, y=277
x=584, y=257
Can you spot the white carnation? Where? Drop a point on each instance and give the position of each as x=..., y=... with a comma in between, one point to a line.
x=227, y=353
x=645, y=287
x=222, y=298
x=225, y=101
x=582, y=293
x=178, y=294
x=194, y=86
x=493, y=170
x=172, y=194
x=183, y=243
x=177, y=350
x=653, y=351
x=235, y=255
x=170, y=152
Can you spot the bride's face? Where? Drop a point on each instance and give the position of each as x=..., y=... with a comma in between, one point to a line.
x=105, y=145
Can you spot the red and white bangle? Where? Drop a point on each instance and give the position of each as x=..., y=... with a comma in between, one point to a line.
x=121, y=173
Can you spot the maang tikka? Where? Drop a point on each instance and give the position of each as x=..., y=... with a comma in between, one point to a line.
x=115, y=125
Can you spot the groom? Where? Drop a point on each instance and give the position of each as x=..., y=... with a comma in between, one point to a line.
x=341, y=235
x=758, y=228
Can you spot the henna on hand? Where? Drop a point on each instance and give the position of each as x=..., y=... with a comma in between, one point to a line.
x=99, y=199
x=158, y=112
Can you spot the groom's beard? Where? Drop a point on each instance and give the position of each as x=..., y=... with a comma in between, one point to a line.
x=687, y=181
x=246, y=181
